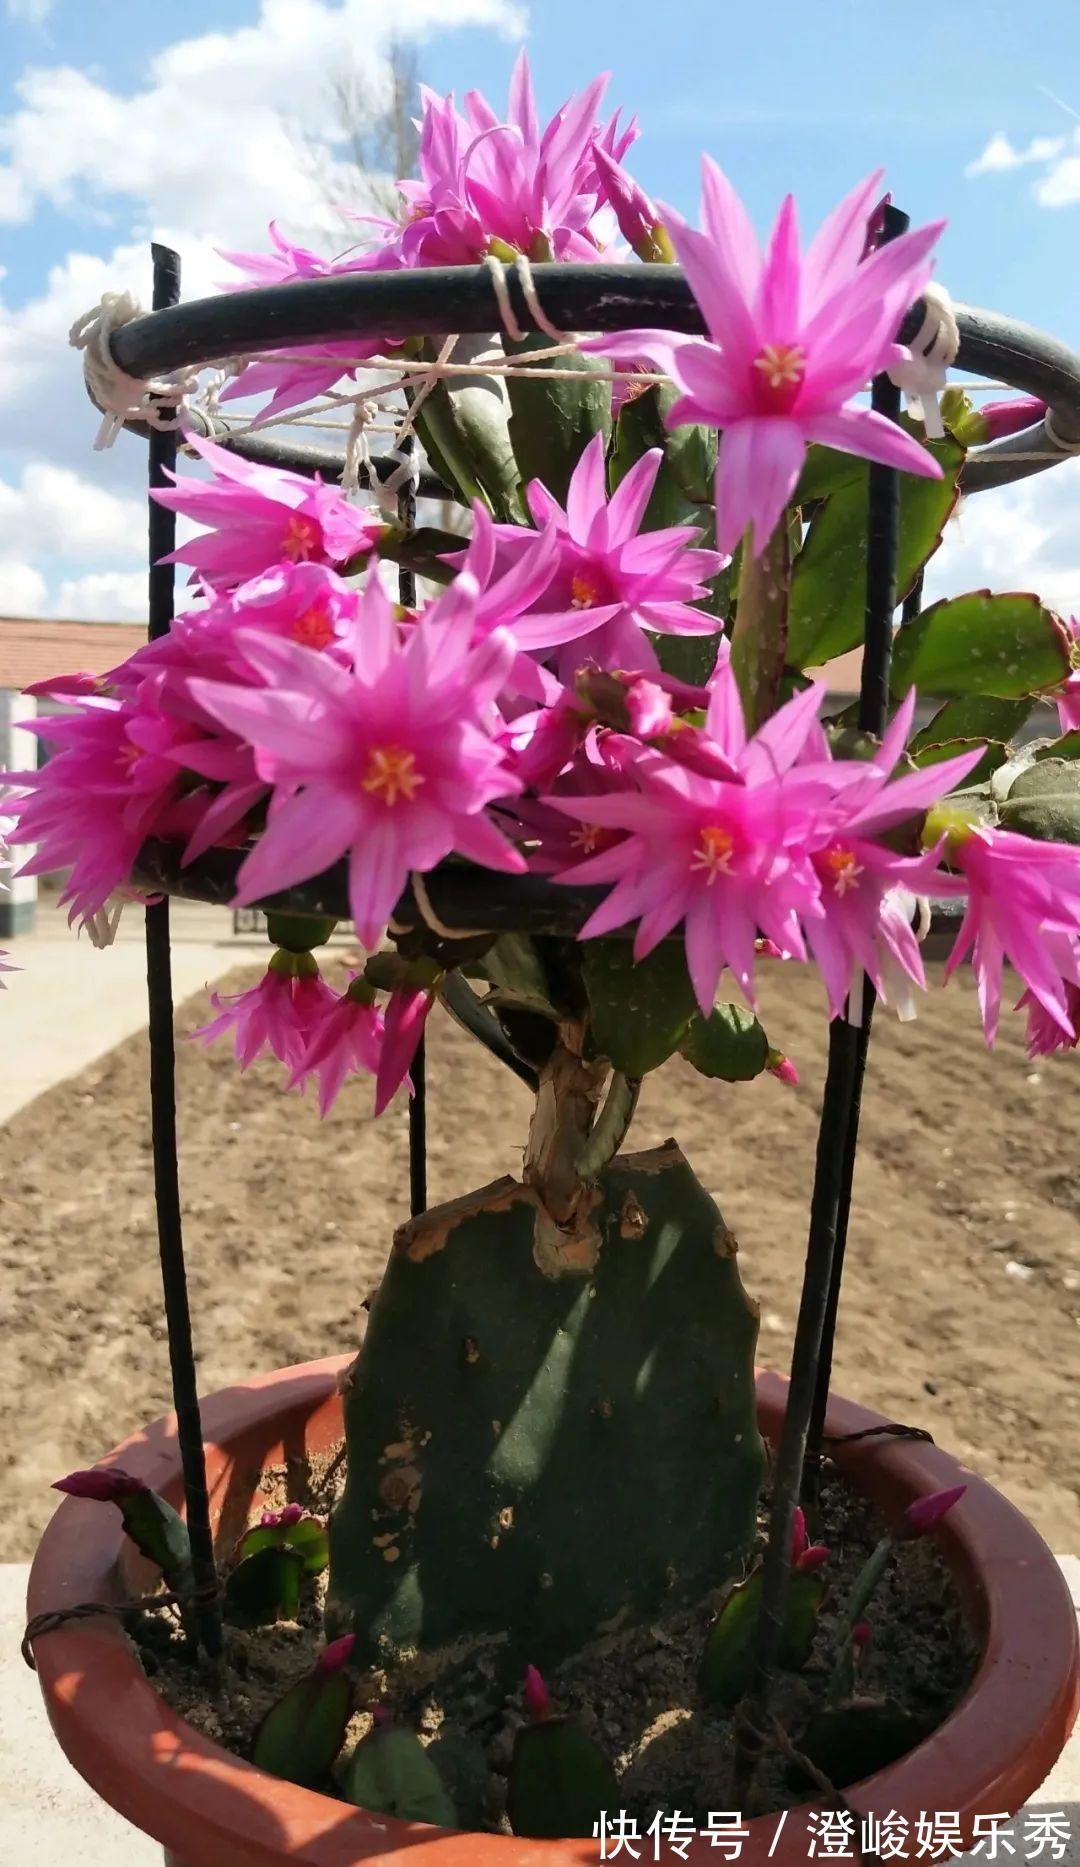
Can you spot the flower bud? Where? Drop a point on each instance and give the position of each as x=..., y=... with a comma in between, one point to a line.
x=335, y=1655
x=105, y=1484
x=535, y=1694
x=927, y=1512
x=782, y=1068
x=639, y=222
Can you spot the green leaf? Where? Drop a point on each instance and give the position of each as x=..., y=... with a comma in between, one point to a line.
x=826, y=471
x=552, y=423
x=422, y=551
x=729, y=1043
x=806, y=1592
x=975, y=716
x=465, y=424
x=514, y=967
x=309, y=1537
x=298, y=933
x=853, y=1741
x=463, y=1766
x=161, y=1534
x=686, y=478
x=728, y=1660
x=690, y=658
x=560, y=1781
x=828, y=584
x=1044, y=801
x=391, y=1773
x=992, y=760
x=1001, y=646
x=639, y=1012
x=759, y=637
x=265, y=1586
x=302, y=1734
x=1068, y=746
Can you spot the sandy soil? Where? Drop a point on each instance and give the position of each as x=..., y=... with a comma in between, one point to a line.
x=962, y=1303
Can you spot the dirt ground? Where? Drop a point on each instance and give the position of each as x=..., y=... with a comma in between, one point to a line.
x=962, y=1300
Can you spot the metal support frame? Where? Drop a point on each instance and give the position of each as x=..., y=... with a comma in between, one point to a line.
x=462, y=298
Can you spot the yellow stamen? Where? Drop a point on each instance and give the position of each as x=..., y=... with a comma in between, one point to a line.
x=301, y=539
x=313, y=629
x=585, y=836
x=392, y=774
x=714, y=852
x=843, y=868
x=781, y=364
x=584, y=590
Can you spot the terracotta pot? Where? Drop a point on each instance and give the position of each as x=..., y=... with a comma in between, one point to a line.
x=213, y=1810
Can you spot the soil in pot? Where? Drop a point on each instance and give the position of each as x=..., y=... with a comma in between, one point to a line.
x=635, y=1690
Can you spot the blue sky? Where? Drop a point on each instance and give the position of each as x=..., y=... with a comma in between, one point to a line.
x=123, y=118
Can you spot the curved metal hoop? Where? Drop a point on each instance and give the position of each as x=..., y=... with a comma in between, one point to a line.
x=595, y=298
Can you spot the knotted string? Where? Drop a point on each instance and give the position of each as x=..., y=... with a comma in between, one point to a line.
x=120, y=397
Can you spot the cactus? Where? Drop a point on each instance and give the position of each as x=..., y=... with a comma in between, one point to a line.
x=548, y=1427
x=560, y=1783
x=301, y=1735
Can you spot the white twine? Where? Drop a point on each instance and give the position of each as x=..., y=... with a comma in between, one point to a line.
x=429, y=916
x=934, y=350
x=120, y=397
x=1056, y=439
x=529, y=293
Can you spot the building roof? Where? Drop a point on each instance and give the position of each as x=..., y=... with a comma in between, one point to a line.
x=35, y=648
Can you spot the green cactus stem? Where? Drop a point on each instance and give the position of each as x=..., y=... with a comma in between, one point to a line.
x=549, y=1429
x=301, y=1735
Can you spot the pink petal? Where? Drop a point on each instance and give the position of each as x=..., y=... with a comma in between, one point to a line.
x=863, y=431
x=759, y=463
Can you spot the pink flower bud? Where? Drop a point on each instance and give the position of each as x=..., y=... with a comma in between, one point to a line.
x=639, y=222
x=860, y=1637
x=649, y=710
x=1012, y=417
x=381, y=1716
x=535, y=1694
x=335, y=1654
x=106, y=1484
x=782, y=1068
x=926, y=1512
x=292, y=1513
x=768, y=949
x=814, y=1556
x=269, y=1519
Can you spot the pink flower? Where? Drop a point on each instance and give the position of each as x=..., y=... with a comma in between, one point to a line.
x=304, y=371
x=275, y=1017
x=391, y=761
x=927, y=1512
x=611, y=582
x=1045, y=1033
x=274, y=1519
x=109, y=784
x=406, y=1015
x=727, y=858
x=105, y=1484
x=863, y=919
x=794, y=338
x=483, y=181
x=1023, y=905
x=346, y=1041
x=639, y=221
x=262, y=516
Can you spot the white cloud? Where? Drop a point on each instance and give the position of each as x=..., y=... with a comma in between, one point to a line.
x=103, y=596
x=53, y=512
x=1022, y=537
x=34, y=12
x=214, y=144
x=1057, y=157
x=22, y=589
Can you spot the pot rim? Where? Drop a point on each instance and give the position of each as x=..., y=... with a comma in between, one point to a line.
x=988, y=1756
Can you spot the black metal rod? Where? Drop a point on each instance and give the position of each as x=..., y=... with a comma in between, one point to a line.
x=577, y=297
x=883, y=544
x=207, y=1617
x=418, y=1071
x=838, y=1129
